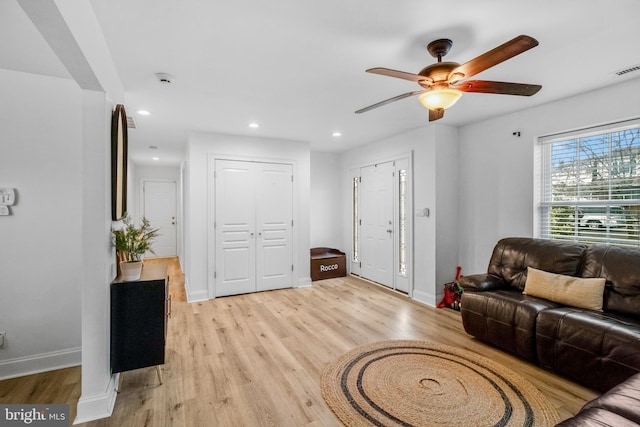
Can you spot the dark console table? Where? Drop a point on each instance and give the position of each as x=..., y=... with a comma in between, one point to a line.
x=139, y=313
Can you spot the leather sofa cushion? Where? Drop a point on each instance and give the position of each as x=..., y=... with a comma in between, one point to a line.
x=620, y=267
x=582, y=343
x=481, y=282
x=511, y=257
x=624, y=399
x=619, y=406
x=504, y=318
x=596, y=417
x=568, y=290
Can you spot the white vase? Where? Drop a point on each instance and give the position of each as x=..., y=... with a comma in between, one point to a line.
x=130, y=270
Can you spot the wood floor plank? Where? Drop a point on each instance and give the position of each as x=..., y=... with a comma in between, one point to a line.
x=256, y=359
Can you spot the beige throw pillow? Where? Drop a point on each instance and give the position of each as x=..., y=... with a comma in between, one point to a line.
x=568, y=290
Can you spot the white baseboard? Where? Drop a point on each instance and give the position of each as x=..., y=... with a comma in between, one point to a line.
x=194, y=296
x=304, y=282
x=426, y=298
x=93, y=408
x=44, y=362
x=197, y=296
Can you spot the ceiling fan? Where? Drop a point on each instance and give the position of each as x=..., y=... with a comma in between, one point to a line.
x=443, y=82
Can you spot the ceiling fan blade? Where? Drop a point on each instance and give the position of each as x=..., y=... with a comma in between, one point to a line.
x=435, y=115
x=503, y=88
x=493, y=57
x=397, y=74
x=387, y=101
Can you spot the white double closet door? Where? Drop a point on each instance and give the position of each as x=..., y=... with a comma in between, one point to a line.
x=253, y=226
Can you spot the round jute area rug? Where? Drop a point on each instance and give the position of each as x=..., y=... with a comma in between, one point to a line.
x=418, y=383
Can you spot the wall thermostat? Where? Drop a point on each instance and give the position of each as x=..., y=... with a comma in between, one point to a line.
x=423, y=212
x=7, y=196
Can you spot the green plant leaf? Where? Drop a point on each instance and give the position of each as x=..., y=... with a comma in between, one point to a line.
x=131, y=241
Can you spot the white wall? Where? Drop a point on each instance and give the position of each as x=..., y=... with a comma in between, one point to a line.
x=40, y=243
x=326, y=206
x=447, y=205
x=496, y=167
x=434, y=148
x=72, y=31
x=204, y=146
x=98, y=259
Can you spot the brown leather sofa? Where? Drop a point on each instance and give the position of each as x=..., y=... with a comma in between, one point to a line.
x=598, y=349
x=618, y=407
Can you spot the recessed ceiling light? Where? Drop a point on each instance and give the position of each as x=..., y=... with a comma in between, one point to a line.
x=336, y=133
x=254, y=125
x=155, y=158
x=143, y=112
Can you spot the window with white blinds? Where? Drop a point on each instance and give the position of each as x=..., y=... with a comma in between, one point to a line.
x=589, y=189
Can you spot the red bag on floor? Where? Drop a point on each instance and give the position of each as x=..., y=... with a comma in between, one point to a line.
x=452, y=293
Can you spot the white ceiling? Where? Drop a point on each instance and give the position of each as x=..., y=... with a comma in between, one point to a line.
x=296, y=67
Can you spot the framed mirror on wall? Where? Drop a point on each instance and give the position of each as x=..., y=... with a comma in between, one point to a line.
x=118, y=163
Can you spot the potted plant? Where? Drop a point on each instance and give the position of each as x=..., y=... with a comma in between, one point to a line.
x=132, y=242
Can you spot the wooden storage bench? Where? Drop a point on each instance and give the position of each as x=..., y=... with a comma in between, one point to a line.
x=327, y=263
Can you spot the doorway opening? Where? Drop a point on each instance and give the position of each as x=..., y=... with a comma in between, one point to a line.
x=159, y=206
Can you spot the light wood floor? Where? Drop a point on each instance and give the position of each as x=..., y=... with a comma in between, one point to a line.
x=256, y=360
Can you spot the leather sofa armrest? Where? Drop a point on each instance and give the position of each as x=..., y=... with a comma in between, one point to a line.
x=481, y=282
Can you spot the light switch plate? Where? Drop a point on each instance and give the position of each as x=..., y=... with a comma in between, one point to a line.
x=4, y=210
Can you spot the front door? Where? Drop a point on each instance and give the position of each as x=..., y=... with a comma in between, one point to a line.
x=376, y=223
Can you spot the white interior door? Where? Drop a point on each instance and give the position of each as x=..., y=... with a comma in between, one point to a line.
x=377, y=223
x=253, y=226
x=274, y=198
x=235, y=225
x=160, y=210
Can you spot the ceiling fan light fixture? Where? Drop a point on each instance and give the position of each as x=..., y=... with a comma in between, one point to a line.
x=455, y=77
x=439, y=99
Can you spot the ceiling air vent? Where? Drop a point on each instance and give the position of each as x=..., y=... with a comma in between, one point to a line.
x=131, y=123
x=626, y=71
